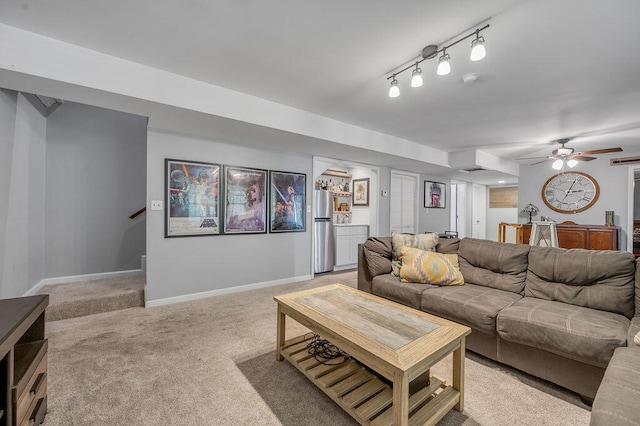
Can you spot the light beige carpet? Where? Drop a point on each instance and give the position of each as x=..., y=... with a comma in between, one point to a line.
x=212, y=362
x=82, y=298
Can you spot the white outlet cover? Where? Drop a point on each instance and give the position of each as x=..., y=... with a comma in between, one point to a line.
x=156, y=204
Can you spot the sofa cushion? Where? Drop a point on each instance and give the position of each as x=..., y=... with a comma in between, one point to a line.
x=448, y=245
x=392, y=288
x=499, y=265
x=579, y=333
x=598, y=279
x=472, y=305
x=637, y=280
x=377, y=254
x=616, y=402
x=427, y=241
x=426, y=267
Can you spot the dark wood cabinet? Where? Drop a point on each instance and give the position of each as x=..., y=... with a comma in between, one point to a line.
x=591, y=237
x=23, y=361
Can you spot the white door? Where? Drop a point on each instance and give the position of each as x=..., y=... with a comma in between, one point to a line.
x=479, y=209
x=404, y=202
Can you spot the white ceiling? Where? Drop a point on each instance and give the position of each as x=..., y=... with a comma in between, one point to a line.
x=553, y=68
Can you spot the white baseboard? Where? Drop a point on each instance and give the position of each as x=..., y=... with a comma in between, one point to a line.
x=219, y=292
x=75, y=278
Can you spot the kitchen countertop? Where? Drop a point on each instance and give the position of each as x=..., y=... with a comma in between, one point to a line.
x=348, y=224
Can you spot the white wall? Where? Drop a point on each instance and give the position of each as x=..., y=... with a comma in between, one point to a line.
x=432, y=219
x=96, y=171
x=183, y=268
x=22, y=189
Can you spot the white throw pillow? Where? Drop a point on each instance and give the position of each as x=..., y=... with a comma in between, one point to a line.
x=636, y=339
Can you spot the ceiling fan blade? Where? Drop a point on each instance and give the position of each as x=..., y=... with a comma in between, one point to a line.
x=600, y=151
x=582, y=158
x=533, y=164
x=532, y=158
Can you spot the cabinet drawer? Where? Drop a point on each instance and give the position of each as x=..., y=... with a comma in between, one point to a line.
x=572, y=239
x=601, y=240
x=31, y=381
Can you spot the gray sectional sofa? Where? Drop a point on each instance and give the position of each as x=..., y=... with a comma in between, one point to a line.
x=554, y=313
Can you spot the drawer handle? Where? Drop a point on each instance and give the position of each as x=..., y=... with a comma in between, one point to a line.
x=38, y=412
x=38, y=382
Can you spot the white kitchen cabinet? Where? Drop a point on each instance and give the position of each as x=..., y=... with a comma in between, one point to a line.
x=347, y=238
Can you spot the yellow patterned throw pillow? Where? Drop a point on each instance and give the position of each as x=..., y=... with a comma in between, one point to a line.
x=427, y=267
x=426, y=241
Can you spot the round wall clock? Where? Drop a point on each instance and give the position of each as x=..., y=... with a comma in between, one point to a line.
x=570, y=192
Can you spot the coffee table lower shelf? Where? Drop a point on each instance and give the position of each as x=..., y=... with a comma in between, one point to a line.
x=364, y=395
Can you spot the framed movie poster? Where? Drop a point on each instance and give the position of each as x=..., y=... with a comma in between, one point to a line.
x=434, y=195
x=361, y=192
x=192, y=201
x=287, y=201
x=245, y=200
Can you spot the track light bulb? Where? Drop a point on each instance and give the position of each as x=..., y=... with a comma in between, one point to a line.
x=477, y=48
x=557, y=165
x=444, y=67
x=416, y=77
x=572, y=163
x=394, y=90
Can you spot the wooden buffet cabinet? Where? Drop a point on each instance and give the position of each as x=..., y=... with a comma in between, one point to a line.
x=591, y=237
x=23, y=361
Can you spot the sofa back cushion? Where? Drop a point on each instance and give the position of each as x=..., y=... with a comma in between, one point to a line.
x=597, y=279
x=377, y=255
x=638, y=286
x=448, y=245
x=491, y=264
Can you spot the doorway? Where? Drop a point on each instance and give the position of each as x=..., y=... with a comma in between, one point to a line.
x=403, y=212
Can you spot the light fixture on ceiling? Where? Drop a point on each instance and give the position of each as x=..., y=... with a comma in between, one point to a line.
x=394, y=90
x=416, y=77
x=444, y=66
x=477, y=48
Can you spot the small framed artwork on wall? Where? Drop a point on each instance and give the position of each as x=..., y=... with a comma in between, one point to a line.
x=435, y=195
x=361, y=192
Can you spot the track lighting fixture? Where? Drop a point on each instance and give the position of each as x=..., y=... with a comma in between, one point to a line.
x=416, y=77
x=394, y=90
x=477, y=48
x=444, y=66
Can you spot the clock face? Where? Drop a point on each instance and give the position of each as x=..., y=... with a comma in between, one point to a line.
x=570, y=192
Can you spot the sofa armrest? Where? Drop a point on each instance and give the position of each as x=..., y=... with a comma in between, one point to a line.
x=364, y=278
x=634, y=329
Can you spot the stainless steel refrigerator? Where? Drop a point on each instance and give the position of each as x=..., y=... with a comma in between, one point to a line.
x=323, y=231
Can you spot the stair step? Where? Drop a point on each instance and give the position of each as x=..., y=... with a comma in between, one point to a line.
x=77, y=299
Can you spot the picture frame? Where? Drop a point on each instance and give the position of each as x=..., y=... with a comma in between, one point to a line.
x=245, y=200
x=361, y=192
x=287, y=195
x=435, y=195
x=192, y=198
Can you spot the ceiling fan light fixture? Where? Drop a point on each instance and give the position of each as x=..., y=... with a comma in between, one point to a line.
x=572, y=163
x=557, y=165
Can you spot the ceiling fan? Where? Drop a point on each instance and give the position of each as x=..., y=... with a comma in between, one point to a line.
x=568, y=156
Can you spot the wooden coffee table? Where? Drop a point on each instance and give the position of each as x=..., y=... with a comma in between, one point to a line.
x=386, y=341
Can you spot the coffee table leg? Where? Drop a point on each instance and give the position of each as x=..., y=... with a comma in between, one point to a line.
x=458, y=373
x=282, y=318
x=400, y=400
